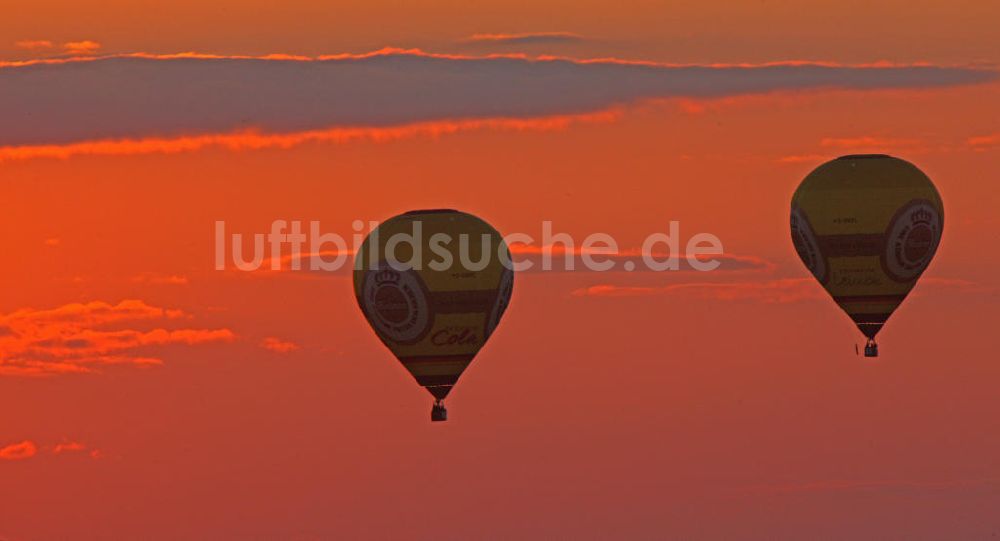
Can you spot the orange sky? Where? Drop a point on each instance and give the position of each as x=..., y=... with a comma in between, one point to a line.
x=607, y=405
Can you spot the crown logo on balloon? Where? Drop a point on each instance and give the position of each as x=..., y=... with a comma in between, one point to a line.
x=386, y=276
x=921, y=216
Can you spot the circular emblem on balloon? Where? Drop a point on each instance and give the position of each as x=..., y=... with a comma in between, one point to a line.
x=911, y=240
x=504, y=292
x=806, y=245
x=396, y=304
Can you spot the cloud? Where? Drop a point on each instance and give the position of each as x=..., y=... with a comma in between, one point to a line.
x=794, y=158
x=84, y=47
x=90, y=314
x=776, y=291
x=954, y=284
x=869, y=144
x=68, y=447
x=33, y=44
x=278, y=345
x=18, y=451
x=982, y=143
x=175, y=97
x=160, y=279
x=75, y=338
x=541, y=259
x=784, y=290
x=555, y=259
x=527, y=38
x=71, y=48
x=255, y=140
x=868, y=141
x=29, y=449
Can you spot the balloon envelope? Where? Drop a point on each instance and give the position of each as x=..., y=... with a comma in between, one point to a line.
x=867, y=226
x=434, y=317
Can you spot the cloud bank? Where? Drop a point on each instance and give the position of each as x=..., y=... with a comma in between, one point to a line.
x=57, y=102
x=29, y=449
x=83, y=337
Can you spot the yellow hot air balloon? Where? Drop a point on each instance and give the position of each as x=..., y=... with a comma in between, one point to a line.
x=434, y=285
x=867, y=226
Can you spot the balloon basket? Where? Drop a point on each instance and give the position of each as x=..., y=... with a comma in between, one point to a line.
x=871, y=349
x=438, y=412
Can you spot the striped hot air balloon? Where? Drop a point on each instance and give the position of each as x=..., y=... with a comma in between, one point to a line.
x=434, y=285
x=867, y=226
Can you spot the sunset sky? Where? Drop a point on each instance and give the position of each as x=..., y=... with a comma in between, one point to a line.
x=147, y=395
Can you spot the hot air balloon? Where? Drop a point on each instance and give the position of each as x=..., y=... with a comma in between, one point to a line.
x=434, y=284
x=866, y=226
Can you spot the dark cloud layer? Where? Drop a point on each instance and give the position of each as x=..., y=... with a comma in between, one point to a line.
x=140, y=96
